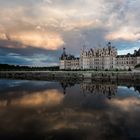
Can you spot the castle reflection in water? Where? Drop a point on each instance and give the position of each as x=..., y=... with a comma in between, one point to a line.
x=89, y=87
x=106, y=89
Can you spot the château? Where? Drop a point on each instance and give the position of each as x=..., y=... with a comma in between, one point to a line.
x=105, y=58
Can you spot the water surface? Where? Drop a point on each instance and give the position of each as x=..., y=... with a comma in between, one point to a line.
x=68, y=110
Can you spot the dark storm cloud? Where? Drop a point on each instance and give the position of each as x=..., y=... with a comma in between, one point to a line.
x=27, y=56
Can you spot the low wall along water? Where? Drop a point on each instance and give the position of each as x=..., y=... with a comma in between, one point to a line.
x=76, y=75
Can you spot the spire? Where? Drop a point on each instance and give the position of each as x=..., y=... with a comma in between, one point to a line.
x=64, y=51
x=63, y=56
x=84, y=47
x=109, y=47
x=109, y=44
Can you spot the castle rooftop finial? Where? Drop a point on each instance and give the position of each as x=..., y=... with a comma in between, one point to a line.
x=64, y=50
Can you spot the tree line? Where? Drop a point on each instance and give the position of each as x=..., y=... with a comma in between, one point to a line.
x=7, y=67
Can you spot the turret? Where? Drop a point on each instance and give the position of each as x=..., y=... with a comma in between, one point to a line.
x=63, y=56
x=64, y=53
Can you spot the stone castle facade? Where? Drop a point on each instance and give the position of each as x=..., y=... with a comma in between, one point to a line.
x=99, y=59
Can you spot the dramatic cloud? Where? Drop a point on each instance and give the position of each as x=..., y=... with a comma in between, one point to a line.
x=50, y=24
x=50, y=41
x=128, y=34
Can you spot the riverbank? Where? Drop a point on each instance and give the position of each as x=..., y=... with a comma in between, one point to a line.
x=75, y=75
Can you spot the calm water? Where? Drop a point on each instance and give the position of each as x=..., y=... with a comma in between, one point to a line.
x=69, y=111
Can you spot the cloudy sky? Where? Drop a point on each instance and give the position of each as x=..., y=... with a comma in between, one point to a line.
x=33, y=32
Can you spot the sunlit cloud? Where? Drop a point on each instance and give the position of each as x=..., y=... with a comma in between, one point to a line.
x=124, y=35
x=3, y=36
x=44, y=40
x=77, y=25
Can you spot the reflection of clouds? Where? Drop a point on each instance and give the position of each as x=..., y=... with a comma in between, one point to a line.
x=3, y=103
x=126, y=104
x=69, y=118
x=49, y=112
x=95, y=123
x=49, y=98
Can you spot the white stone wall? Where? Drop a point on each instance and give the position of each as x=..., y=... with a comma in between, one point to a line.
x=107, y=62
x=138, y=60
x=62, y=64
x=126, y=62
x=69, y=64
x=75, y=64
x=104, y=58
